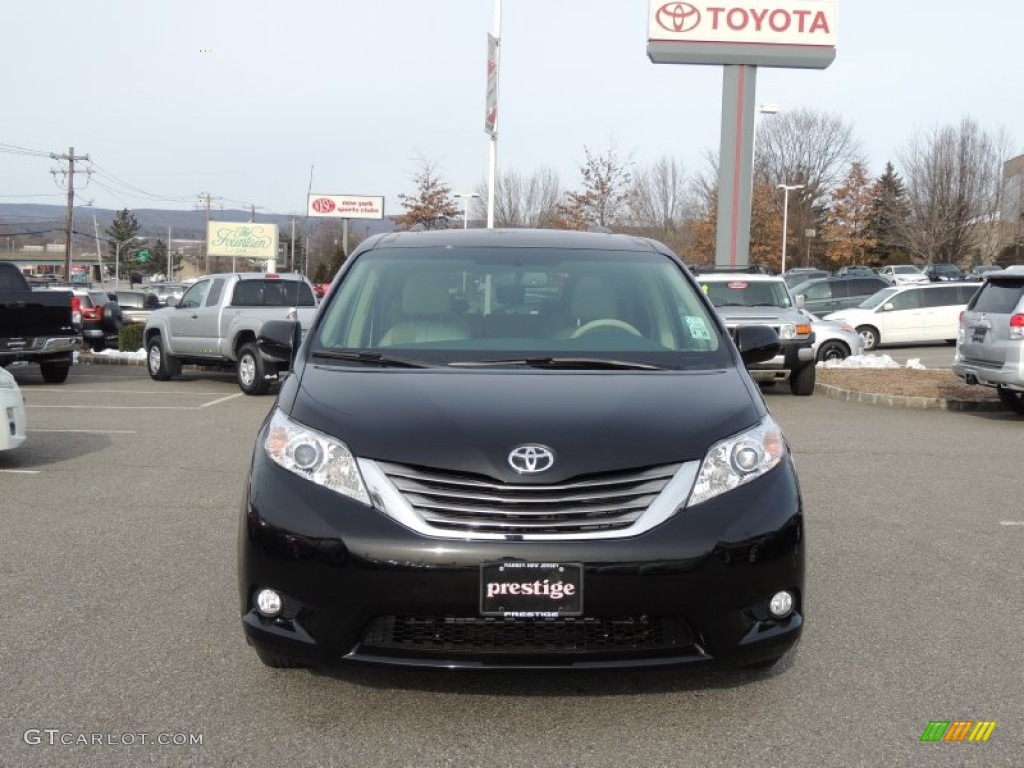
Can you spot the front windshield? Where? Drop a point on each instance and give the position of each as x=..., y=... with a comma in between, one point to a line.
x=877, y=299
x=906, y=270
x=454, y=305
x=747, y=293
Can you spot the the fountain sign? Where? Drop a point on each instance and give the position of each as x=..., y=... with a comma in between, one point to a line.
x=254, y=241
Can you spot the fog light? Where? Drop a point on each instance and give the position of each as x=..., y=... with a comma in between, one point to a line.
x=781, y=604
x=269, y=603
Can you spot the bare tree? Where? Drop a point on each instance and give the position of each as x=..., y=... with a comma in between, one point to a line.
x=658, y=203
x=603, y=201
x=806, y=147
x=433, y=205
x=954, y=186
x=521, y=201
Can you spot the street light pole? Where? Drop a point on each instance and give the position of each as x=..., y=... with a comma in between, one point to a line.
x=466, y=196
x=785, y=217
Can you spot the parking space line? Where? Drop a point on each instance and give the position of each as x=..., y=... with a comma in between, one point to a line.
x=50, y=390
x=1012, y=522
x=89, y=431
x=19, y=471
x=120, y=407
x=222, y=400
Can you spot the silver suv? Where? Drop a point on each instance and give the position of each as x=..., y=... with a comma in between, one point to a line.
x=751, y=299
x=990, y=342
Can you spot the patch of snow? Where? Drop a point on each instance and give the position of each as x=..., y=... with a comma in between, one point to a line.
x=870, y=361
x=117, y=355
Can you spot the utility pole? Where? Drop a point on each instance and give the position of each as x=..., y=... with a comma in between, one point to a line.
x=205, y=197
x=292, y=243
x=70, y=157
x=170, y=259
x=252, y=213
x=99, y=253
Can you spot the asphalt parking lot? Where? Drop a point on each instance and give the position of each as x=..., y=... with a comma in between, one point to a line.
x=118, y=562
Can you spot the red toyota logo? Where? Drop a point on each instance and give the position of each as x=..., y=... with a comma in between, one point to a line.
x=323, y=205
x=678, y=17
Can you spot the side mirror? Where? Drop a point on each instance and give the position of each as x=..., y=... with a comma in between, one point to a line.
x=887, y=307
x=172, y=301
x=757, y=343
x=279, y=340
x=799, y=301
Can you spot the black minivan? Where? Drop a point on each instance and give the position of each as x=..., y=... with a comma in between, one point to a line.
x=519, y=449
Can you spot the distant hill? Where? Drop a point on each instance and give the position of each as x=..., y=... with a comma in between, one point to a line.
x=31, y=217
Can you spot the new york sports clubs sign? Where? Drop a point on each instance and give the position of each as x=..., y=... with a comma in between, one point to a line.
x=346, y=206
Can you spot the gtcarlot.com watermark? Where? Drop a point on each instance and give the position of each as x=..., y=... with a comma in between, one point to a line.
x=55, y=736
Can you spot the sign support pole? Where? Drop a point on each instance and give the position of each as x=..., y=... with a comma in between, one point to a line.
x=735, y=166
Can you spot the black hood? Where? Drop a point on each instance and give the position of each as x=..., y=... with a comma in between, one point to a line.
x=469, y=421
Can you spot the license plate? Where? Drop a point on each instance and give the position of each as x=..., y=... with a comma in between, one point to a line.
x=979, y=335
x=531, y=590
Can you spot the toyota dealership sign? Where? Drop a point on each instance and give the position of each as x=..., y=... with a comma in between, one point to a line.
x=779, y=33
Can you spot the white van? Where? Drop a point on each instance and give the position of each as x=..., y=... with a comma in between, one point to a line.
x=909, y=314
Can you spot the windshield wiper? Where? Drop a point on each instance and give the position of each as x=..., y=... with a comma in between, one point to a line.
x=371, y=358
x=580, y=363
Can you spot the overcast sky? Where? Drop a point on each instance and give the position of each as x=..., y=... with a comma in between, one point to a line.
x=361, y=91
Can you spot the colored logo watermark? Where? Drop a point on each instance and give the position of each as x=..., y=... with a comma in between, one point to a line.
x=958, y=730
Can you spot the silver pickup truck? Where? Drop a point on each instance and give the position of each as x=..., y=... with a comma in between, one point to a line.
x=216, y=323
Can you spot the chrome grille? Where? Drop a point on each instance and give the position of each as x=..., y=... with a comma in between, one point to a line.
x=453, y=501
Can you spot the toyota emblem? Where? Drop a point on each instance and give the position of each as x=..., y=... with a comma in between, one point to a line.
x=678, y=17
x=531, y=459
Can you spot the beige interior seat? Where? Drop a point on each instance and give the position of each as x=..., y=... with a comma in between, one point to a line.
x=426, y=314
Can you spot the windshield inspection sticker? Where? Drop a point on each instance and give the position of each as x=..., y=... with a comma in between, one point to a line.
x=697, y=328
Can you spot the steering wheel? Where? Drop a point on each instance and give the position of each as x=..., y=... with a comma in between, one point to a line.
x=604, y=322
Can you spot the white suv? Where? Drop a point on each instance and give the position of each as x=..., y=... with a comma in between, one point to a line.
x=990, y=344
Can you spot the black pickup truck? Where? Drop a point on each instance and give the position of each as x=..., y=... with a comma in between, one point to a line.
x=42, y=327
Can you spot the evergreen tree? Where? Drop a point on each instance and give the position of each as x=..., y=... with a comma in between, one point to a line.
x=889, y=210
x=121, y=232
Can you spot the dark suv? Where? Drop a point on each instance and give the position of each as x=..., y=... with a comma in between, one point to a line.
x=829, y=294
x=101, y=319
x=519, y=448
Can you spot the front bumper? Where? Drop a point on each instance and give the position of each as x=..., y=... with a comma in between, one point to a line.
x=12, y=425
x=792, y=357
x=359, y=587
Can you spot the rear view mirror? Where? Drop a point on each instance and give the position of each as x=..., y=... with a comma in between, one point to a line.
x=172, y=301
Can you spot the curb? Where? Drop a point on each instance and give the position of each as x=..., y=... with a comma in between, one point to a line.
x=906, y=401
x=91, y=358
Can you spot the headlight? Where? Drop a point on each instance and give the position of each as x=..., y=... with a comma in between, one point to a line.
x=319, y=458
x=787, y=331
x=738, y=460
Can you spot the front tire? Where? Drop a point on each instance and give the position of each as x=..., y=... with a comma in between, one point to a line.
x=161, y=366
x=869, y=335
x=252, y=370
x=1011, y=399
x=54, y=373
x=833, y=350
x=801, y=381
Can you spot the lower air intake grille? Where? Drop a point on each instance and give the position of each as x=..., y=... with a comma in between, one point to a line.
x=450, y=635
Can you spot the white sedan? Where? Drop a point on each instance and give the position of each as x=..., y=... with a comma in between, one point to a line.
x=12, y=405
